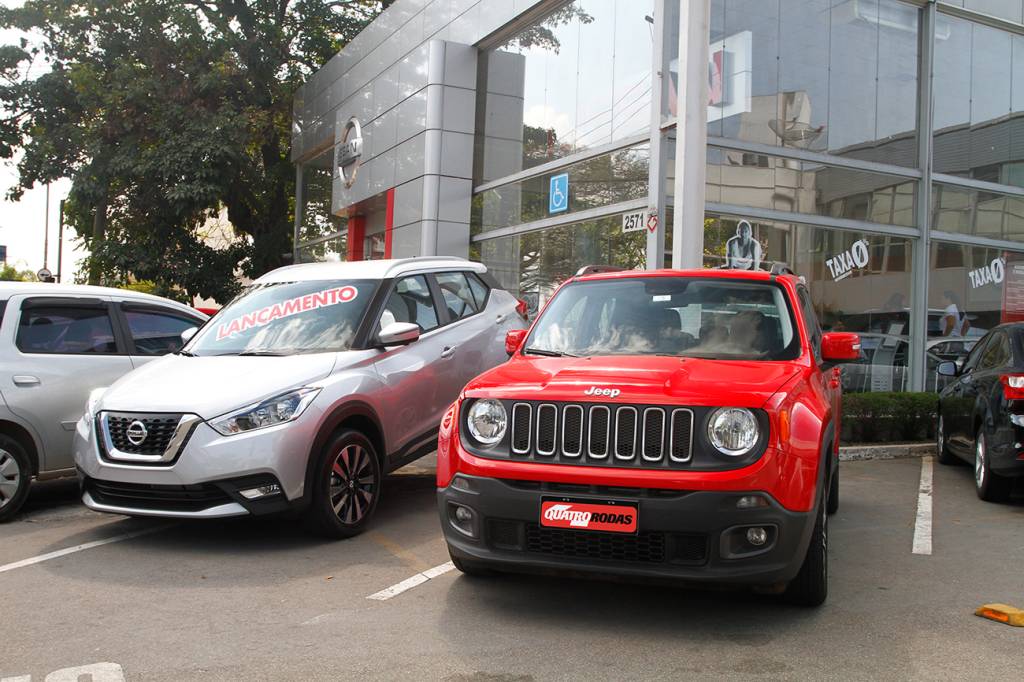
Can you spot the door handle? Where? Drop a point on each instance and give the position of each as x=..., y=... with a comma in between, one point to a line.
x=448, y=351
x=25, y=380
x=500, y=318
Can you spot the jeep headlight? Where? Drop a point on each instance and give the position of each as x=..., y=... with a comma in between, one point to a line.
x=487, y=421
x=271, y=412
x=733, y=430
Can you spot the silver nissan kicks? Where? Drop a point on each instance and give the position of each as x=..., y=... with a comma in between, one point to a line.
x=299, y=395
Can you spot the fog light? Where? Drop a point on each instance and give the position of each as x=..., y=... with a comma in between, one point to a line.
x=751, y=502
x=461, y=519
x=757, y=536
x=260, y=492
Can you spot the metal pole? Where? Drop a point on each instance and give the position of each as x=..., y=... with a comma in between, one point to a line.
x=659, y=140
x=46, y=228
x=691, y=135
x=922, y=246
x=60, y=239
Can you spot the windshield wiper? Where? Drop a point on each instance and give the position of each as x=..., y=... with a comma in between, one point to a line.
x=186, y=353
x=549, y=353
x=261, y=353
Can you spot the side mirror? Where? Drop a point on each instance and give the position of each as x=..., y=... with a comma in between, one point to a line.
x=398, y=334
x=946, y=369
x=187, y=335
x=514, y=339
x=840, y=346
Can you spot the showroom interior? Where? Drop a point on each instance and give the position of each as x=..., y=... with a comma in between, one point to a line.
x=871, y=145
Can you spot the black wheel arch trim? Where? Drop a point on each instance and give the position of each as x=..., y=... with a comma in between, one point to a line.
x=327, y=430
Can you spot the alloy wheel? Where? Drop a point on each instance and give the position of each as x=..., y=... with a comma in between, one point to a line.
x=10, y=478
x=353, y=484
x=979, y=462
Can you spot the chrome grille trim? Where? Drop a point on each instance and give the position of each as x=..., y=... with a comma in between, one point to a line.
x=109, y=452
x=554, y=429
x=643, y=438
x=672, y=436
x=579, y=449
x=618, y=423
x=607, y=431
x=529, y=427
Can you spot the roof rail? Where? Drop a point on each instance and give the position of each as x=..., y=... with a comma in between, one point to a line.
x=405, y=262
x=596, y=269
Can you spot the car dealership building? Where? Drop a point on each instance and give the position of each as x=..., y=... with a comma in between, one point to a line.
x=872, y=145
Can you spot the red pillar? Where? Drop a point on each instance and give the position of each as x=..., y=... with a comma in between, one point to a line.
x=356, y=237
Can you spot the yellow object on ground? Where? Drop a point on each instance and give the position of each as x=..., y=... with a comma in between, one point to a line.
x=1002, y=613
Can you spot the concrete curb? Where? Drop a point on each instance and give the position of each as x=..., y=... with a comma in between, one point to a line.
x=854, y=453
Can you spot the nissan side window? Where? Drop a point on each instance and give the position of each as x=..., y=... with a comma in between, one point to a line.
x=410, y=301
x=480, y=290
x=157, y=333
x=66, y=330
x=458, y=297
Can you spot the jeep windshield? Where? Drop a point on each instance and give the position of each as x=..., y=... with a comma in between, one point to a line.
x=708, y=318
x=287, y=318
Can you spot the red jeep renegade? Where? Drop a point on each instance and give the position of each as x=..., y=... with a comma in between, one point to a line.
x=667, y=424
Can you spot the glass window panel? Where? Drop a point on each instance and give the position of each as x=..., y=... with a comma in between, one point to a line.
x=66, y=330
x=157, y=333
x=532, y=265
x=971, y=290
x=601, y=181
x=761, y=181
x=333, y=250
x=858, y=281
x=458, y=297
x=316, y=217
x=580, y=77
x=827, y=75
x=977, y=212
x=1004, y=9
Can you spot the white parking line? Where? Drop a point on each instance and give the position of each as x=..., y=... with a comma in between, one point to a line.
x=409, y=583
x=923, y=525
x=78, y=548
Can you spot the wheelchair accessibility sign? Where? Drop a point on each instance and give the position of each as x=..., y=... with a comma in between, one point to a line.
x=558, y=193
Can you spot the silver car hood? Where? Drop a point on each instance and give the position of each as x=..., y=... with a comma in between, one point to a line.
x=211, y=386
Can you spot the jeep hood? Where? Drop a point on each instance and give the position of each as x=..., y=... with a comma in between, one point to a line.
x=642, y=380
x=211, y=386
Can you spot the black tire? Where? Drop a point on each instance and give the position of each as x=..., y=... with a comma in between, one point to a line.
x=990, y=487
x=346, y=486
x=469, y=568
x=15, y=477
x=810, y=586
x=833, y=492
x=941, y=446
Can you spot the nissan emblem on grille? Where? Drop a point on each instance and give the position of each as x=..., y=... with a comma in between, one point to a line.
x=137, y=432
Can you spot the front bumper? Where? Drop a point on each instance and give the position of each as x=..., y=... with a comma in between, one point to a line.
x=206, y=478
x=681, y=535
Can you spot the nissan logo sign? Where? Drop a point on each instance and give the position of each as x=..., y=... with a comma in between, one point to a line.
x=136, y=433
x=350, y=151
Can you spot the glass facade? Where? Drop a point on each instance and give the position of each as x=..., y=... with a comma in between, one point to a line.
x=813, y=161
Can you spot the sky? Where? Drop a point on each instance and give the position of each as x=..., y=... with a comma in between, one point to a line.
x=23, y=222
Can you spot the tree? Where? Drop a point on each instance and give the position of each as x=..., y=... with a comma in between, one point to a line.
x=163, y=113
x=9, y=273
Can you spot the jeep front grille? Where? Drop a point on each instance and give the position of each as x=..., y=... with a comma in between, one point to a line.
x=578, y=433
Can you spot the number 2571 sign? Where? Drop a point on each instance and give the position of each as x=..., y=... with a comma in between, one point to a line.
x=635, y=221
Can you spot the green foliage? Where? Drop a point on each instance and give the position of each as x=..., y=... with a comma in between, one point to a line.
x=886, y=417
x=163, y=113
x=9, y=273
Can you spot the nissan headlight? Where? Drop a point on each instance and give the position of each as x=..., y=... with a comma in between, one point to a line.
x=93, y=402
x=733, y=430
x=271, y=412
x=487, y=421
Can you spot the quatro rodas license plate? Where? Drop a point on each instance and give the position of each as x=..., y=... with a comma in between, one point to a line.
x=610, y=517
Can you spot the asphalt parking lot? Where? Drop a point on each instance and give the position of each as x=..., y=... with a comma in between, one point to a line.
x=259, y=599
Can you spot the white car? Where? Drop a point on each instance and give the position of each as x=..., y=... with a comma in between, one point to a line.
x=299, y=395
x=57, y=343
